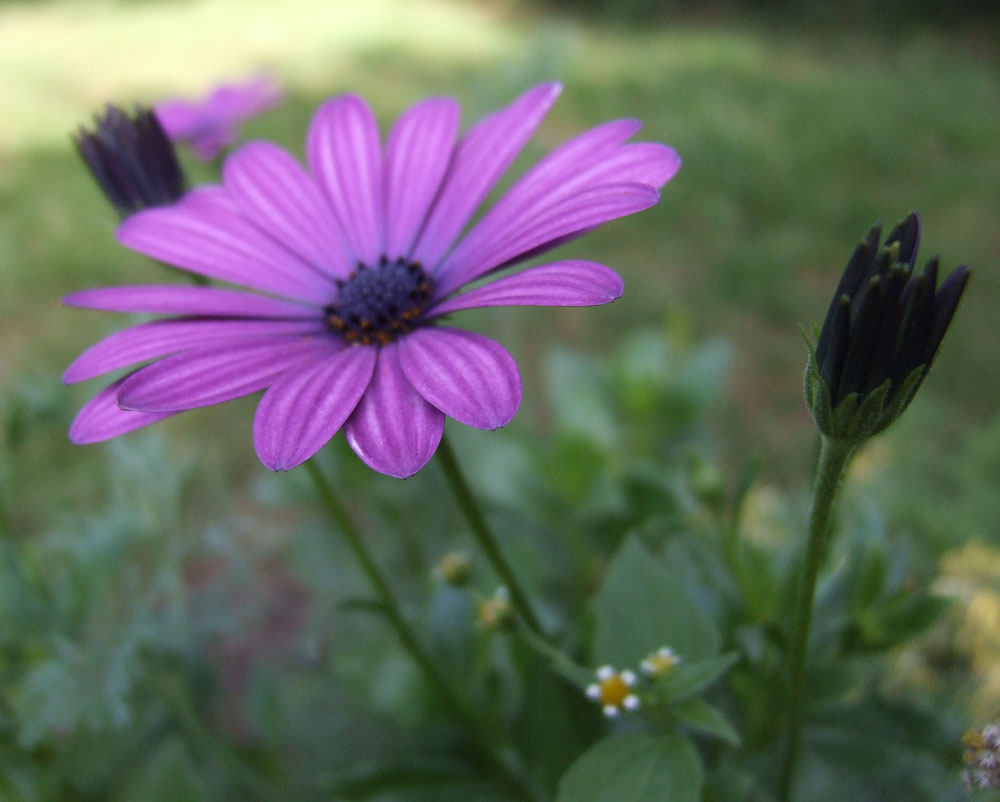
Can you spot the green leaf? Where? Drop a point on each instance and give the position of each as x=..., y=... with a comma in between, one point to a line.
x=700, y=715
x=410, y=778
x=556, y=724
x=688, y=678
x=754, y=568
x=642, y=606
x=899, y=618
x=869, y=577
x=634, y=768
x=578, y=394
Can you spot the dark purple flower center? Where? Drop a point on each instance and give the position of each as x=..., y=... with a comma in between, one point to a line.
x=377, y=304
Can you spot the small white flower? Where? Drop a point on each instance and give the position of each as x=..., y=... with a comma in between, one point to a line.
x=991, y=736
x=660, y=662
x=982, y=756
x=613, y=691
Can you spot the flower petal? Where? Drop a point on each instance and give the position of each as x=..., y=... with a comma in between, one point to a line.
x=302, y=410
x=205, y=376
x=555, y=222
x=101, y=418
x=205, y=233
x=578, y=154
x=393, y=429
x=180, y=118
x=416, y=157
x=482, y=156
x=162, y=337
x=345, y=158
x=638, y=163
x=643, y=163
x=469, y=377
x=593, y=159
x=171, y=299
x=568, y=283
x=274, y=191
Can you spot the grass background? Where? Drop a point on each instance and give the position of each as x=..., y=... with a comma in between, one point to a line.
x=794, y=142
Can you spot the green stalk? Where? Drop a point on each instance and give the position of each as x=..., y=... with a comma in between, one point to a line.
x=389, y=606
x=481, y=743
x=833, y=458
x=484, y=536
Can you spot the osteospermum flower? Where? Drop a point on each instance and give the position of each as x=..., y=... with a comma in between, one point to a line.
x=360, y=248
x=613, y=691
x=211, y=124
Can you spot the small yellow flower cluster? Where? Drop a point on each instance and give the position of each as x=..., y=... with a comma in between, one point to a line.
x=454, y=568
x=614, y=689
x=982, y=757
x=660, y=662
x=496, y=612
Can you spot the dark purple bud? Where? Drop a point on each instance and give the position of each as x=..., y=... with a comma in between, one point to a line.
x=132, y=159
x=882, y=330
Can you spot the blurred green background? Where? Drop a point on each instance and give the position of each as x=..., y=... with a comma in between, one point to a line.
x=798, y=127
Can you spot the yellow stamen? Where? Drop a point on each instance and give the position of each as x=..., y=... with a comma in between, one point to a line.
x=613, y=691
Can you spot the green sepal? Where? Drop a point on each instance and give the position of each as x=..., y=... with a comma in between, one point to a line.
x=858, y=424
x=811, y=368
x=900, y=399
x=850, y=421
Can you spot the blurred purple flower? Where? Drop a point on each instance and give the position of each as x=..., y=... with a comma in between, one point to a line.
x=362, y=250
x=209, y=125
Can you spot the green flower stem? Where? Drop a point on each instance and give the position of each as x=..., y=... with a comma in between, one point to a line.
x=833, y=458
x=389, y=605
x=497, y=766
x=484, y=536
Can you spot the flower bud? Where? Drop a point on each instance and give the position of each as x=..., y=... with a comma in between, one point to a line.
x=454, y=568
x=132, y=159
x=880, y=335
x=496, y=612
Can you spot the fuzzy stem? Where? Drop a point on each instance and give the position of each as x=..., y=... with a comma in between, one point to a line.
x=388, y=604
x=833, y=458
x=481, y=741
x=484, y=536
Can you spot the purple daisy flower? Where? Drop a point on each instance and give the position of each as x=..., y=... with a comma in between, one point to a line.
x=210, y=124
x=354, y=263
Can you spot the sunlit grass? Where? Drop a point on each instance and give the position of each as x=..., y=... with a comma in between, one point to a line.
x=59, y=61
